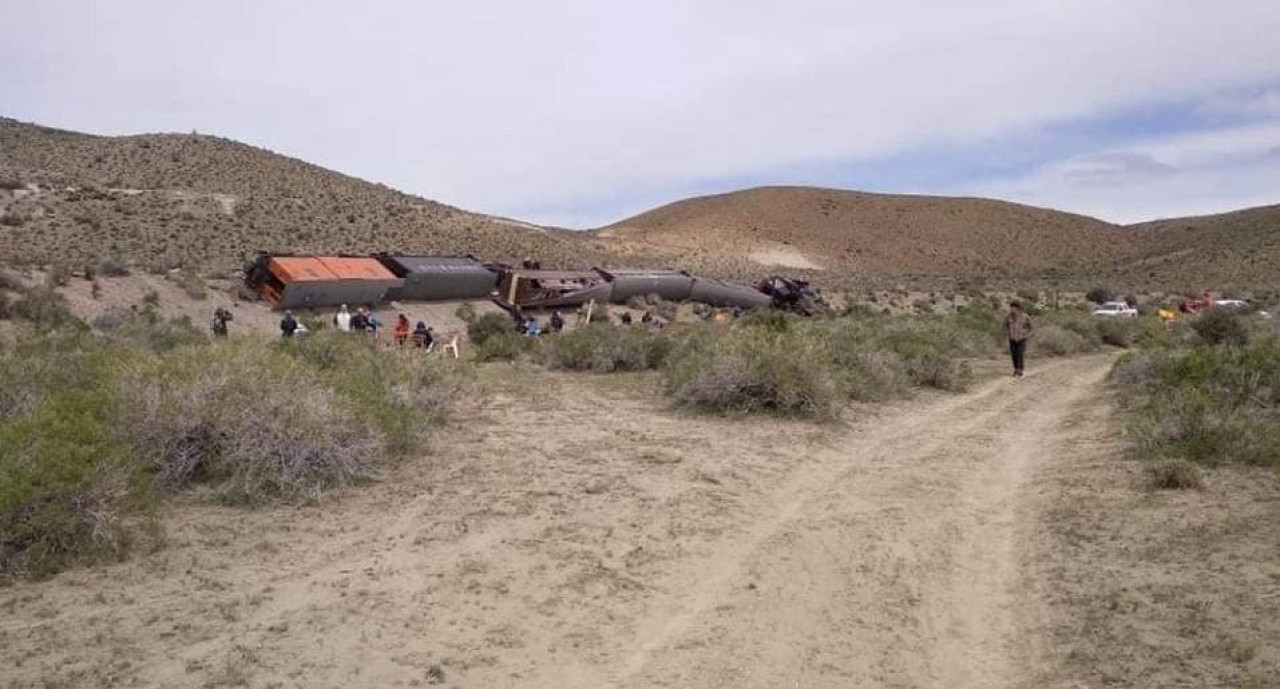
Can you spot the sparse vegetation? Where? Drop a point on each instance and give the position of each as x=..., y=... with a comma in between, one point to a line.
x=1212, y=402
x=95, y=429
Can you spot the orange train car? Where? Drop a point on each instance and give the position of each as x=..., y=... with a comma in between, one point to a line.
x=300, y=282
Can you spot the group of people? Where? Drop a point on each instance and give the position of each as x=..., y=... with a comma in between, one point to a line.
x=366, y=321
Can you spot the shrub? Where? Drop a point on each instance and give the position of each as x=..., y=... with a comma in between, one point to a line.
x=1209, y=405
x=505, y=346
x=1221, y=326
x=1173, y=474
x=44, y=307
x=466, y=312
x=605, y=348
x=113, y=266
x=755, y=370
x=65, y=480
x=1054, y=340
x=141, y=328
x=253, y=424
x=479, y=330
x=1099, y=295
x=600, y=313
x=191, y=284
x=1117, y=332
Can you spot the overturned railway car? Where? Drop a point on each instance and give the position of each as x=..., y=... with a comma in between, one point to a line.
x=551, y=288
x=720, y=293
x=295, y=282
x=439, y=278
x=671, y=285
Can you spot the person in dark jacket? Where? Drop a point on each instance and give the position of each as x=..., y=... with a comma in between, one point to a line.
x=288, y=325
x=557, y=322
x=360, y=321
x=1018, y=326
x=220, y=318
x=423, y=338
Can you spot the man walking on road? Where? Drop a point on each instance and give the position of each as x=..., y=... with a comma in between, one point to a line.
x=1017, y=324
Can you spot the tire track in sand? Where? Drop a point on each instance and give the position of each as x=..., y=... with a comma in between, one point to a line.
x=897, y=566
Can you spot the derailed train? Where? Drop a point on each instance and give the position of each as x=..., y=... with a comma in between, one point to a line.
x=294, y=282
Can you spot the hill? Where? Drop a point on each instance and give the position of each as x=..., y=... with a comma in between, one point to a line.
x=170, y=200
x=881, y=235
x=1240, y=248
x=902, y=236
x=201, y=202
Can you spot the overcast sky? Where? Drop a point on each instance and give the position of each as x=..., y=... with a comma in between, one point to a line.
x=580, y=113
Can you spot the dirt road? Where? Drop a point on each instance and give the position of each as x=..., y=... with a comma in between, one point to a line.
x=581, y=535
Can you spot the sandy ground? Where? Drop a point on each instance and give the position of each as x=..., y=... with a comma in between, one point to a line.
x=577, y=533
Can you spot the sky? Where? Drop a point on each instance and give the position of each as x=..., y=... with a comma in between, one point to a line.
x=579, y=113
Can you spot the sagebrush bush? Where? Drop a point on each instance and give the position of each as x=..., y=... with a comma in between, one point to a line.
x=756, y=370
x=1221, y=326
x=605, y=348
x=1173, y=474
x=251, y=423
x=1053, y=340
x=44, y=307
x=479, y=330
x=66, y=481
x=506, y=346
x=1208, y=404
x=94, y=427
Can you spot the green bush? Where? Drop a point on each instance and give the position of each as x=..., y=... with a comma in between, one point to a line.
x=1100, y=295
x=93, y=428
x=1208, y=404
x=506, y=346
x=750, y=370
x=466, y=312
x=1053, y=340
x=66, y=481
x=1221, y=326
x=44, y=307
x=1173, y=474
x=605, y=348
x=479, y=330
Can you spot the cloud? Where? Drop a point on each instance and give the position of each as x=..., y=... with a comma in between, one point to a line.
x=1184, y=174
x=570, y=108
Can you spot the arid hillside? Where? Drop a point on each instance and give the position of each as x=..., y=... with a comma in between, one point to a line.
x=170, y=200
x=879, y=234
x=165, y=201
x=1238, y=248
x=895, y=236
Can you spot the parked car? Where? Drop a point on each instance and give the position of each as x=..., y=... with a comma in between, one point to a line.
x=1116, y=309
x=1234, y=304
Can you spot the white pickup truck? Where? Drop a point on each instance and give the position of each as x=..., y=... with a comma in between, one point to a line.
x=1115, y=309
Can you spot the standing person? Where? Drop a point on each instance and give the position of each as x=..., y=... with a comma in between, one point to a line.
x=220, y=318
x=557, y=322
x=360, y=320
x=423, y=338
x=342, y=319
x=1017, y=324
x=288, y=325
x=402, y=330
x=374, y=323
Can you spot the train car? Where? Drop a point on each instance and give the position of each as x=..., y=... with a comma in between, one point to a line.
x=439, y=278
x=720, y=293
x=524, y=288
x=671, y=285
x=300, y=282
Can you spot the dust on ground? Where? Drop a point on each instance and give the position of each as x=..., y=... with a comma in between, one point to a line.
x=573, y=531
